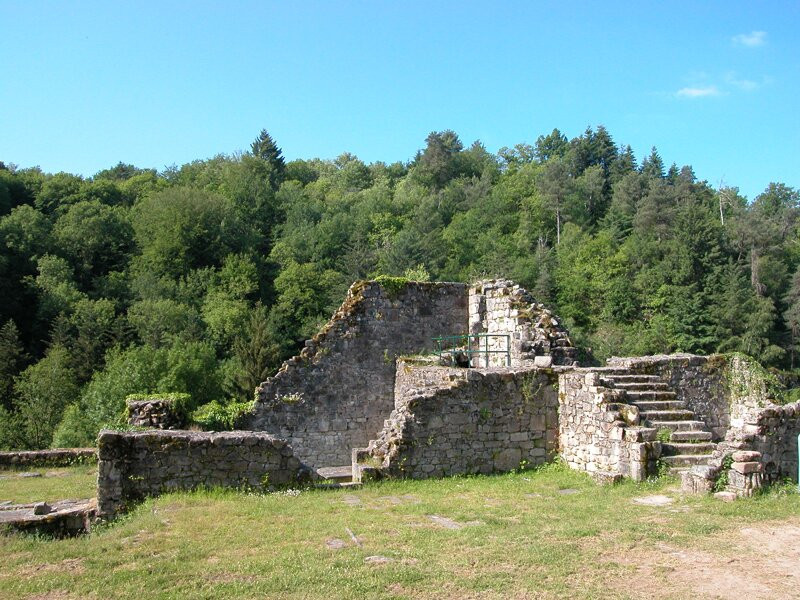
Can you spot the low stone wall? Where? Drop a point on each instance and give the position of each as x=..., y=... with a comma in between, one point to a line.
x=601, y=435
x=335, y=395
x=135, y=465
x=57, y=457
x=63, y=518
x=451, y=421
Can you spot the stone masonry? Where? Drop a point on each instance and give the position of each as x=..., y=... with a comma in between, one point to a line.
x=335, y=395
x=367, y=390
x=451, y=421
x=135, y=465
x=516, y=323
x=599, y=433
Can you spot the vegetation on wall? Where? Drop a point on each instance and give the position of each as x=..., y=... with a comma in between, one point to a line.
x=202, y=278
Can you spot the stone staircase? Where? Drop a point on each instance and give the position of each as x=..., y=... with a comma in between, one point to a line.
x=689, y=441
x=335, y=477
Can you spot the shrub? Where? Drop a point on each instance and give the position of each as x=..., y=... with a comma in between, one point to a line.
x=216, y=416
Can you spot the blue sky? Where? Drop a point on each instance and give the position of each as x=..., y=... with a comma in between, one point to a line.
x=711, y=84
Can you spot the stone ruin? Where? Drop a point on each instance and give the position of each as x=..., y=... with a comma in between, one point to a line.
x=381, y=391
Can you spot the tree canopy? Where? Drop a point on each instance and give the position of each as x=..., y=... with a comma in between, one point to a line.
x=201, y=278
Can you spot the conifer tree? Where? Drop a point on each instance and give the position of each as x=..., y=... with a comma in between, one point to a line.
x=265, y=148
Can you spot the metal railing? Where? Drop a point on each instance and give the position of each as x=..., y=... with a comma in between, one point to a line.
x=470, y=344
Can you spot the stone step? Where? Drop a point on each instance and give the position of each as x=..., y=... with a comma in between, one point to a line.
x=342, y=474
x=336, y=486
x=678, y=425
x=686, y=460
x=684, y=448
x=645, y=386
x=654, y=416
x=688, y=436
x=655, y=405
x=627, y=378
x=635, y=396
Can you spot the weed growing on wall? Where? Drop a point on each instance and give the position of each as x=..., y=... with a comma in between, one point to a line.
x=393, y=286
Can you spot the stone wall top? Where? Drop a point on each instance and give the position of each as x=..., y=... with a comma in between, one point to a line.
x=56, y=457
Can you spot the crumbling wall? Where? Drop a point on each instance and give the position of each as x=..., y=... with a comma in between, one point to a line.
x=598, y=433
x=772, y=432
x=135, y=465
x=534, y=335
x=451, y=421
x=157, y=411
x=56, y=457
x=336, y=394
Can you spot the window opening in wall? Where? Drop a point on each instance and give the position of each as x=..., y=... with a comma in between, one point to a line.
x=475, y=349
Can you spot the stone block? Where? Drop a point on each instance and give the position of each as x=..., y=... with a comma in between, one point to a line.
x=743, y=456
x=747, y=467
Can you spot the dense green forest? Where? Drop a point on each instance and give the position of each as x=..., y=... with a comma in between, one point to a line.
x=202, y=278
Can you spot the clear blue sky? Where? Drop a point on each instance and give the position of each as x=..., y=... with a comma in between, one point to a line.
x=86, y=84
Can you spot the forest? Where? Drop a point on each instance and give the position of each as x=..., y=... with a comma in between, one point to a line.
x=201, y=279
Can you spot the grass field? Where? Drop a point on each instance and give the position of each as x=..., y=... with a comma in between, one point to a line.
x=550, y=533
x=52, y=484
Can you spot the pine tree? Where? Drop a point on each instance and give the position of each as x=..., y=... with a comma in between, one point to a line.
x=256, y=352
x=12, y=356
x=265, y=148
x=653, y=166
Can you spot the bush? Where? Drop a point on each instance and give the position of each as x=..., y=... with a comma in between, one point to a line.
x=76, y=429
x=188, y=367
x=216, y=416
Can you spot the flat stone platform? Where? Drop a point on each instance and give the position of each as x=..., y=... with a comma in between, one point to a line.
x=59, y=519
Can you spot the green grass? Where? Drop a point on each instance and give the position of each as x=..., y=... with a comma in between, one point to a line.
x=54, y=484
x=531, y=541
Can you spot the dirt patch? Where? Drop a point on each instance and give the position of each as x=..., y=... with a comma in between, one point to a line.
x=754, y=562
x=54, y=595
x=68, y=565
x=448, y=523
x=653, y=500
x=231, y=578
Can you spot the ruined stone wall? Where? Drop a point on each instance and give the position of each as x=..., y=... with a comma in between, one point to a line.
x=530, y=333
x=154, y=412
x=337, y=393
x=451, y=421
x=772, y=432
x=700, y=381
x=57, y=457
x=135, y=465
x=600, y=435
